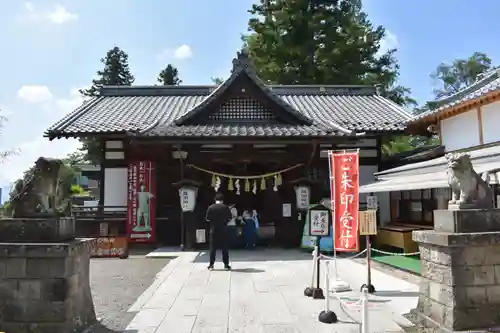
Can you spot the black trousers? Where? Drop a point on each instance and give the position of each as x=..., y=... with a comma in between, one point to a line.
x=219, y=241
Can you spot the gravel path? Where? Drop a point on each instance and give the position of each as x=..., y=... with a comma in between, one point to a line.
x=116, y=284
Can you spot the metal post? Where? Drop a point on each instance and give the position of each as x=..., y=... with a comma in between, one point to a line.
x=326, y=316
x=364, y=311
x=317, y=291
x=327, y=285
x=309, y=290
x=369, y=286
x=368, y=260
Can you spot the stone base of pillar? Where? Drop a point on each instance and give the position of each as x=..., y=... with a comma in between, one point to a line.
x=44, y=287
x=460, y=287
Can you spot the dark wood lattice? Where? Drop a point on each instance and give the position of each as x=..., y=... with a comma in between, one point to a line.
x=242, y=109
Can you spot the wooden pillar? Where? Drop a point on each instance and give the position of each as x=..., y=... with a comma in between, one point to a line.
x=102, y=181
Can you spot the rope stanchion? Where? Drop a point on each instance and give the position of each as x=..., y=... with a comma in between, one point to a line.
x=327, y=316
x=368, y=284
x=364, y=311
x=309, y=290
x=323, y=315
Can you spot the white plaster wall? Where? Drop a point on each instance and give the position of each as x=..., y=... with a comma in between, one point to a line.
x=461, y=131
x=115, y=187
x=366, y=177
x=491, y=119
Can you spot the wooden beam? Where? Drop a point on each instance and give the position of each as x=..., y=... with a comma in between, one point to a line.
x=313, y=153
x=480, y=125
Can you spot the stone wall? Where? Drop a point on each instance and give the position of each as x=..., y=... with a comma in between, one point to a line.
x=45, y=288
x=460, y=286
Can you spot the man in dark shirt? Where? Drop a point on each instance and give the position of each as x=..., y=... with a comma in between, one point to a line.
x=218, y=215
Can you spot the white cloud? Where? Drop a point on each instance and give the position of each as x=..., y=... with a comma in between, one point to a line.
x=58, y=14
x=183, y=52
x=14, y=167
x=389, y=42
x=34, y=93
x=180, y=53
x=42, y=113
x=70, y=103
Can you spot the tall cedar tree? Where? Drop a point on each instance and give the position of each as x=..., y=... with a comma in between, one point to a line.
x=169, y=76
x=321, y=42
x=116, y=72
x=324, y=42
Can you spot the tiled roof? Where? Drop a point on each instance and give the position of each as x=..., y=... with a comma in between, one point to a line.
x=168, y=111
x=488, y=84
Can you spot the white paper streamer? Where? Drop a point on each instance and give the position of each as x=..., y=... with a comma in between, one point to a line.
x=237, y=186
x=218, y=182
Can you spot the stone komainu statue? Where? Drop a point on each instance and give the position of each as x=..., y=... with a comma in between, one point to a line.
x=40, y=194
x=468, y=189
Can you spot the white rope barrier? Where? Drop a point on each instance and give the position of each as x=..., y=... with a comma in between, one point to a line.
x=337, y=258
x=343, y=307
x=328, y=316
x=396, y=253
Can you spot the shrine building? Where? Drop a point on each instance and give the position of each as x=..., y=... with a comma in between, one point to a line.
x=166, y=150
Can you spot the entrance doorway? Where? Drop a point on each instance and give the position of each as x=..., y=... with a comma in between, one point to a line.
x=274, y=228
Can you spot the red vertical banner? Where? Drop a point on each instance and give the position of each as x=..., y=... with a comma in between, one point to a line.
x=345, y=198
x=141, y=217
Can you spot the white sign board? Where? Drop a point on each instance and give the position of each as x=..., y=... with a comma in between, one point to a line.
x=200, y=236
x=303, y=196
x=372, y=202
x=368, y=222
x=319, y=225
x=287, y=210
x=188, y=198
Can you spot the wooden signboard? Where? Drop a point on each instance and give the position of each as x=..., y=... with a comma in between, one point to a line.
x=110, y=247
x=368, y=222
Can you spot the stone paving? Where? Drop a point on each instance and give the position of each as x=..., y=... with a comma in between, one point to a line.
x=262, y=294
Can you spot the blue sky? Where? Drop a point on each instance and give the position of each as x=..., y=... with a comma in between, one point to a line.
x=51, y=48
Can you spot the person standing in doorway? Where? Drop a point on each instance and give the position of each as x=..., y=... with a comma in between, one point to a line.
x=218, y=215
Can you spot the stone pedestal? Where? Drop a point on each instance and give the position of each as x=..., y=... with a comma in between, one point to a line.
x=460, y=288
x=44, y=287
x=50, y=229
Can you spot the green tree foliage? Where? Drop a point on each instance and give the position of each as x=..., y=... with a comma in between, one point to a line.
x=75, y=158
x=324, y=42
x=67, y=174
x=116, y=72
x=400, y=143
x=321, y=42
x=460, y=74
x=217, y=80
x=169, y=76
x=4, y=154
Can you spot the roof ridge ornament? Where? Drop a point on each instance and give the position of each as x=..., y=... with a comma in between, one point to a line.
x=242, y=59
